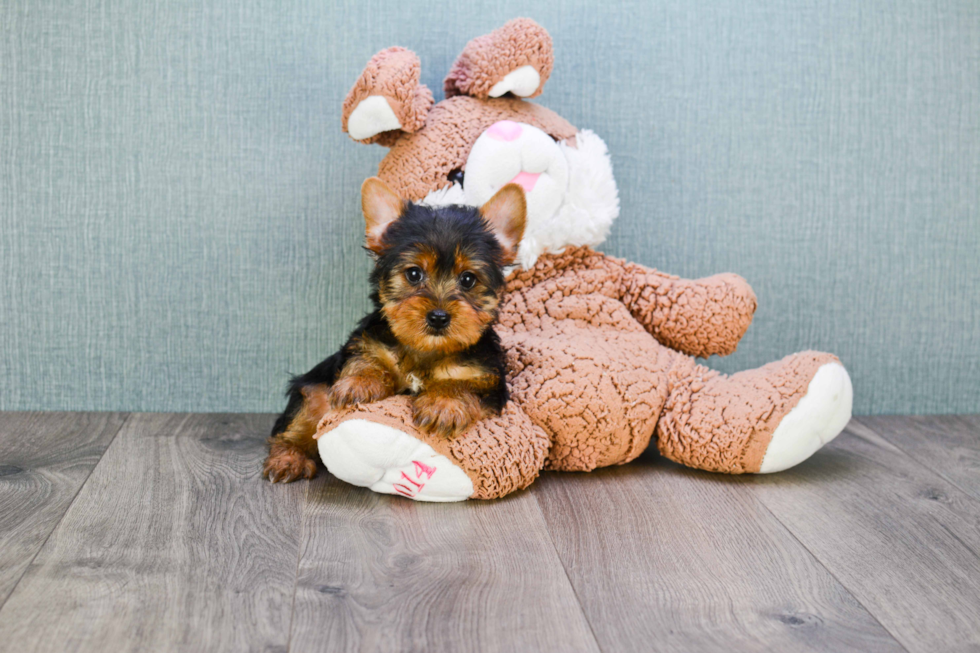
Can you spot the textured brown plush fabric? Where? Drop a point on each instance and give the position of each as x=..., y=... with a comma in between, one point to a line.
x=421, y=162
x=600, y=352
x=596, y=365
x=582, y=362
x=487, y=59
x=721, y=305
x=393, y=74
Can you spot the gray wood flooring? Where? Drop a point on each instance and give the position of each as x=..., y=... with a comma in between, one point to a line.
x=154, y=532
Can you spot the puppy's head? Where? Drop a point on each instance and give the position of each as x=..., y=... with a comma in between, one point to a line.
x=439, y=271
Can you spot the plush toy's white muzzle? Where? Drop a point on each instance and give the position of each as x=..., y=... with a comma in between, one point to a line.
x=571, y=193
x=515, y=152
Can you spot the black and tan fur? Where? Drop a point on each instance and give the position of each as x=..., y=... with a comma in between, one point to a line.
x=432, y=265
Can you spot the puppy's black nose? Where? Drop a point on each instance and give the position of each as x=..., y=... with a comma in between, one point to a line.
x=437, y=319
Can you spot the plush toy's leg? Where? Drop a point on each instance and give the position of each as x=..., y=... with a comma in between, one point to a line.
x=758, y=421
x=378, y=447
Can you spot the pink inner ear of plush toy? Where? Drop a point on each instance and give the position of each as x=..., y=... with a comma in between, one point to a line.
x=488, y=59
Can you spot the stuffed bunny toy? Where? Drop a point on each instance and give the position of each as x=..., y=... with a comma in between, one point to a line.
x=600, y=352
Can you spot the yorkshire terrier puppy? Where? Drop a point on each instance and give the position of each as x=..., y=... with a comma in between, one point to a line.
x=436, y=285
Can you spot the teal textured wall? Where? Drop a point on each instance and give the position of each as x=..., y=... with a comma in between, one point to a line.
x=179, y=222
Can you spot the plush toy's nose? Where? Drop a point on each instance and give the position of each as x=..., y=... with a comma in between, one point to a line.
x=504, y=130
x=437, y=319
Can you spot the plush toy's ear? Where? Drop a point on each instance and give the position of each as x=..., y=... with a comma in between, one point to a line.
x=387, y=98
x=506, y=213
x=381, y=207
x=515, y=59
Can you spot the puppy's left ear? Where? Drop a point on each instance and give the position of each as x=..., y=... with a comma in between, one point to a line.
x=381, y=207
x=506, y=213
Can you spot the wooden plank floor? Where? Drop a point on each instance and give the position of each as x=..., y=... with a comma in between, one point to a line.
x=151, y=532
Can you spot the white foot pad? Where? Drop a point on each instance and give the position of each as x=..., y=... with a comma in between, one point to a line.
x=821, y=415
x=389, y=461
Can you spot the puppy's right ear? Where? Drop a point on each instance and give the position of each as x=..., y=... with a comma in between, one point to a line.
x=381, y=207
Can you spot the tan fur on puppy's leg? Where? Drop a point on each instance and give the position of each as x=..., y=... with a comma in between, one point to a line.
x=358, y=389
x=364, y=379
x=291, y=452
x=447, y=409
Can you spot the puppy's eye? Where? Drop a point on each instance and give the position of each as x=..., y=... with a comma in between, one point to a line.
x=467, y=280
x=456, y=176
x=414, y=275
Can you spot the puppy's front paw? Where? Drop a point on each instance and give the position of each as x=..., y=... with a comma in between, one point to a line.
x=352, y=390
x=446, y=415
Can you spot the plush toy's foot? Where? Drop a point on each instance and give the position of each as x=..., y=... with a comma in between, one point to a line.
x=818, y=418
x=758, y=421
x=377, y=446
x=390, y=461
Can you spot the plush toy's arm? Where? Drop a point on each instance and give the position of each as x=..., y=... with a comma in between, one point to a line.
x=699, y=317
